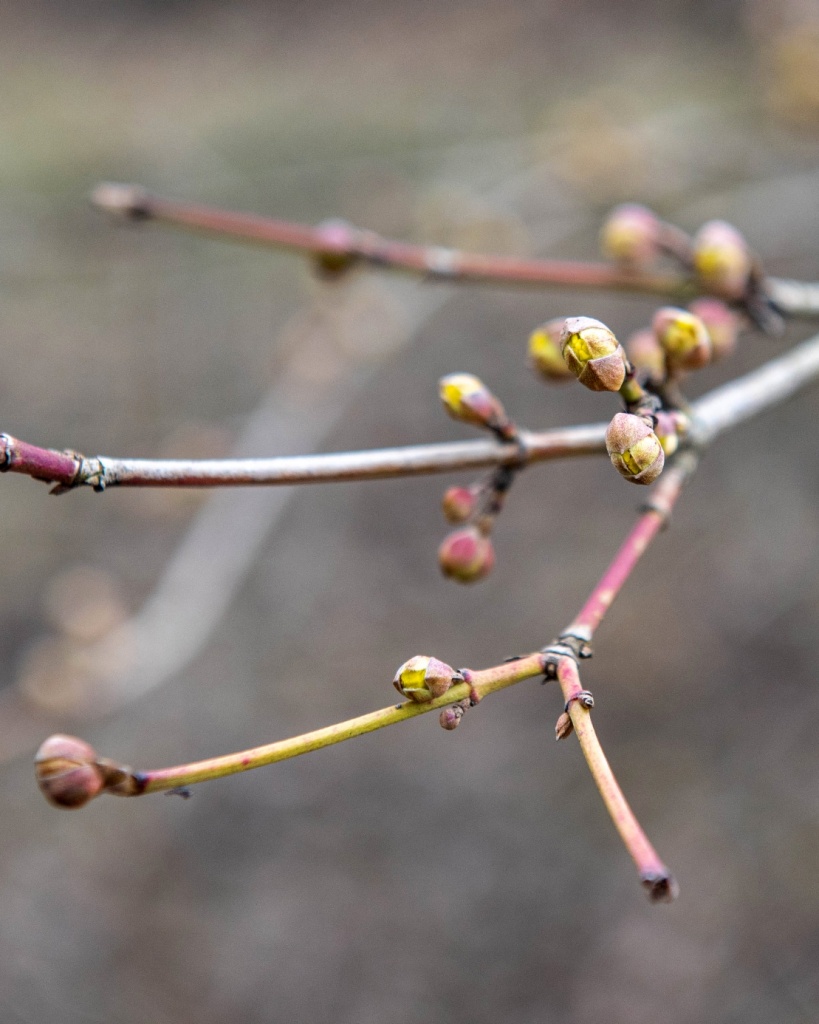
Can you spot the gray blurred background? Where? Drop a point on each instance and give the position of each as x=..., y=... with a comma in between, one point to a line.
x=411, y=875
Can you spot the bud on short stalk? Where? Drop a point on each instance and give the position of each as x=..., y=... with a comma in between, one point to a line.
x=468, y=399
x=630, y=235
x=458, y=504
x=466, y=555
x=67, y=771
x=634, y=449
x=423, y=678
x=721, y=323
x=546, y=354
x=593, y=354
x=722, y=259
x=683, y=337
x=646, y=356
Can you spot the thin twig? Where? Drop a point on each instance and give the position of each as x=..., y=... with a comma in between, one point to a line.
x=338, y=245
x=715, y=412
x=655, y=876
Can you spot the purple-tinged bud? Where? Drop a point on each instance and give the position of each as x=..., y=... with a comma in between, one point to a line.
x=335, y=256
x=563, y=726
x=458, y=504
x=546, y=354
x=468, y=399
x=646, y=355
x=451, y=715
x=683, y=337
x=423, y=678
x=722, y=259
x=466, y=555
x=630, y=235
x=721, y=322
x=634, y=449
x=593, y=354
x=67, y=771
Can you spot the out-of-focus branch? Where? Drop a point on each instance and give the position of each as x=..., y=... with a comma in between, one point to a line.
x=336, y=246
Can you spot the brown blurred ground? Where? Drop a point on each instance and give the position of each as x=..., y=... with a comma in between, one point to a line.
x=411, y=875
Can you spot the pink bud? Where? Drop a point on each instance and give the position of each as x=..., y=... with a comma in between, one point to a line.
x=458, y=504
x=466, y=555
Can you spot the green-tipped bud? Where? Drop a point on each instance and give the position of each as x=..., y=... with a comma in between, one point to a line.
x=634, y=449
x=646, y=356
x=593, y=354
x=468, y=399
x=722, y=259
x=423, y=678
x=466, y=555
x=721, y=323
x=458, y=504
x=67, y=771
x=545, y=351
x=630, y=234
x=683, y=337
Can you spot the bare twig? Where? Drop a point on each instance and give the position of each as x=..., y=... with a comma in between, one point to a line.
x=337, y=245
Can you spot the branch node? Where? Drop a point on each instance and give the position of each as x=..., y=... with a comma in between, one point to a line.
x=90, y=473
x=5, y=445
x=568, y=645
x=583, y=697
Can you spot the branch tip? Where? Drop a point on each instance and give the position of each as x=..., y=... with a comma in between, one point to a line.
x=131, y=202
x=660, y=886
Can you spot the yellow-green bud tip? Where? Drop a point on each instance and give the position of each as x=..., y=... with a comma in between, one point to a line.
x=634, y=449
x=468, y=399
x=683, y=337
x=593, y=354
x=630, y=234
x=545, y=352
x=722, y=259
x=424, y=678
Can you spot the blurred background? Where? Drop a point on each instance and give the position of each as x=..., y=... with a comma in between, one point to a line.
x=411, y=875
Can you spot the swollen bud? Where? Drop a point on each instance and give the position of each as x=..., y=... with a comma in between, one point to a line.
x=646, y=356
x=634, y=449
x=593, y=354
x=468, y=399
x=721, y=323
x=630, y=234
x=722, y=259
x=458, y=504
x=451, y=715
x=466, y=555
x=67, y=771
x=423, y=678
x=545, y=352
x=683, y=337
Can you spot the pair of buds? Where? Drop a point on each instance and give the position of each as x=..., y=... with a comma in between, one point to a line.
x=423, y=678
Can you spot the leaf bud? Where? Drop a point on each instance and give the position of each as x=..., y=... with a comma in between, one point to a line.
x=466, y=555
x=67, y=771
x=646, y=355
x=683, y=337
x=634, y=449
x=564, y=726
x=721, y=323
x=451, y=715
x=630, y=235
x=593, y=354
x=545, y=352
x=468, y=399
x=458, y=504
x=722, y=259
x=423, y=678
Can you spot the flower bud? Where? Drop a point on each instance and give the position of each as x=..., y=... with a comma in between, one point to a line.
x=423, y=678
x=721, y=323
x=634, y=449
x=545, y=352
x=722, y=259
x=593, y=354
x=629, y=235
x=466, y=555
x=646, y=355
x=67, y=771
x=468, y=399
x=683, y=337
x=451, y=715
x=458, y=504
